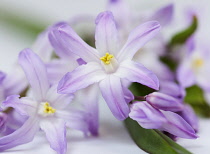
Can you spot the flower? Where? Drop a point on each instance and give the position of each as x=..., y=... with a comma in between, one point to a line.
x=152, y=118
x=46, y=110
x=195, y=65
x=107, y=65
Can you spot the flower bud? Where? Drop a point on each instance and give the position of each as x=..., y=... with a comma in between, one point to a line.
x=164, y=102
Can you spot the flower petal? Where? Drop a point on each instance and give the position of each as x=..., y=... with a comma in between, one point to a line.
x=147, y=116
x=2, y=76
x=81, y=77
x=75, y=119
x=90, y=105
x=176, y=125
x=137, y=38
x=57, y=68
x=164, y=15
x=136, y=72
x=36, y=73
x=22, y=135
x=128, y=95
x=23, y=106
x=112, y=91
x=189, y=115
x=65, y=40
x=164, y=102
x=106, y=34
x=42, y=46
x=14, y=86
x=173, y=89
x=55, y=131
x=185, y=72
x=58, y=101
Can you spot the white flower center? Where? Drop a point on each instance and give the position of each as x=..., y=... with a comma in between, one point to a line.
x=109, y=63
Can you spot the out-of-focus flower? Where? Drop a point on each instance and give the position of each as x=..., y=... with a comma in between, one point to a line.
x=108, y=64
x=151, y=118
x=46, y=110
x=178, y=93
x=195, y=66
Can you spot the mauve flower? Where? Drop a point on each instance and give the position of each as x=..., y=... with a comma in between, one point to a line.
x=195, y=65
x=150, y=118
x=46, y=110
x=107, y=65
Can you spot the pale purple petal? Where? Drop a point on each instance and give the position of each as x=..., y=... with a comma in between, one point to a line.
x=185, y=72
x=64, y=39
x=189, y=115
x=177, y=126
x=173, y=89
x=75, y=119
x=14, y=86
x=147, y=116
x=2, y=76
x=136, y=72
x=58, y=101
x=36, y=73
x=106, y=34
x=42, y=46
x=57, y=68
x=128, y=95
x=24, y=106
x=164, y=15
x=3, y=121
x=90, y=105
x=80, y=61
x=22, y=135
x=112, y=92
x=59, y=49
x=55, y=131
x=138, y=38
x=81, y=77
x=164, y=102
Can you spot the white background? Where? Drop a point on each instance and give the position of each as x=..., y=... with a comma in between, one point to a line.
x=113, y=138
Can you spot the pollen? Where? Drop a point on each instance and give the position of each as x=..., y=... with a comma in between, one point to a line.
x=48, y=109
x=198, y=63
x=106, y=59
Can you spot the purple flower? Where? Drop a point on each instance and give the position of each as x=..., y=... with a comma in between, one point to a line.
x=195, y=66
x=46, y=110
x=107, y=65
x=151, y=118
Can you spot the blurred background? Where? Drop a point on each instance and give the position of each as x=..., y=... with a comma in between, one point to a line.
x=20, y=23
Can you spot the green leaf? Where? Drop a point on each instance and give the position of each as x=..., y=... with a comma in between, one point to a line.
x=195, y=97
x=182, y=36
x=152, y=141
x=140, y=90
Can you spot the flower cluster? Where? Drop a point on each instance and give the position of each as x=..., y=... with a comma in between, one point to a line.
x=41, y=95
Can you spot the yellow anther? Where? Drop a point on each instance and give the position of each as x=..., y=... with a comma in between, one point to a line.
x=48, y=109
x=198, y=63
x=106, y=59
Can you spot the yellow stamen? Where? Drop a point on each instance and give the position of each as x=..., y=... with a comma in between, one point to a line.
x=198, y=63
x=106, y=59
x=48, y=109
